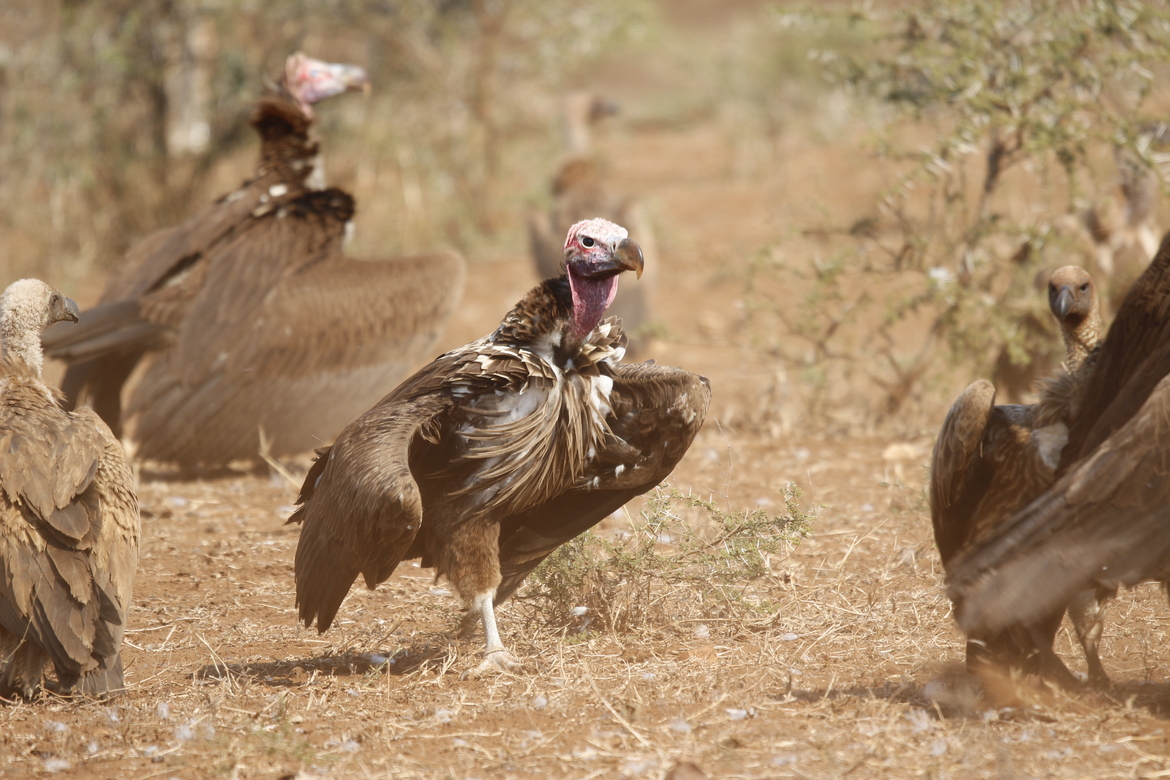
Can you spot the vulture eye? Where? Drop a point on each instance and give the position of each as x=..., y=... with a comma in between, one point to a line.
x=54, y=299
x=587, y=242
x=1085, y=287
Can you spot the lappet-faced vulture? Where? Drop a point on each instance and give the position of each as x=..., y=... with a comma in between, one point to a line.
x=580, y=191
x=68, y=518
x=989, y=461
x=248, y=320
x=1106, y=519
x=491, y=457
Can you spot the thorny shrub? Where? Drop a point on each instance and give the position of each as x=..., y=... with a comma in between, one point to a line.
x=669, y=564
x=1002, y=113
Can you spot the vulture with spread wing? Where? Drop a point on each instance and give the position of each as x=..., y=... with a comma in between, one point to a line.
x=1106, y=519
x=580, y=191
x=991, y=460
x=68, y=518
x=247, y=324
x=491, y=457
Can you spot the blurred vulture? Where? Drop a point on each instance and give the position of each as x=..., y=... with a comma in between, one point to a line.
x=68, y=518
x=990, y=461
x=1106, y=519
x=247, y=324
x=1124, y=231
x=491, y=457
x=580, y=192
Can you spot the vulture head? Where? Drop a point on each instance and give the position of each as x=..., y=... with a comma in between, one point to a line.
x=27, y=307
x=310, y=81
x=1072, y=297
x=1071, y=294
x=596, y=251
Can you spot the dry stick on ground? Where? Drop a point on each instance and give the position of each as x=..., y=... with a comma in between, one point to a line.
x=614, y=712
x=220, y=666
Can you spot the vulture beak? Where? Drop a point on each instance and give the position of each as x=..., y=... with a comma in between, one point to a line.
x=65, y=309
x=1064, y=302
x=628, y=257
x=352, y=77
x=311, y=80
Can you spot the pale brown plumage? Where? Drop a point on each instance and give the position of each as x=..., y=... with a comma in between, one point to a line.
x=68, y=518
x=248, y=320
x=579, y=191
x=991, y=460
x=1105, y=520
x=491, y=457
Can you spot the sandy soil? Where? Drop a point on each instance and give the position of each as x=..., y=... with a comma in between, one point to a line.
x=854, y=674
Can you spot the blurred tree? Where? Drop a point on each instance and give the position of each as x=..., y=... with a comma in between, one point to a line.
x=1004, y=108
x=114, y=113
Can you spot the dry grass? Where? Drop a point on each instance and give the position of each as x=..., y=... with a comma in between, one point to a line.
x=853, y=674
x=849, y=671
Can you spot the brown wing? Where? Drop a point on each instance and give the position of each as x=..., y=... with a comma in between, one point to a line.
x=360, y=505
x=298, y=352
x=988, y=462
x=68, y=546
x=657, y=411
x=1107, y=520
x=959, y=475
x=1141, y=328
x=166, y=267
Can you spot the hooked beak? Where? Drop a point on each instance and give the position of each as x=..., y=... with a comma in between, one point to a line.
x=628, y=257
x=353, y=77
x=65, y=309
x=1064, y=302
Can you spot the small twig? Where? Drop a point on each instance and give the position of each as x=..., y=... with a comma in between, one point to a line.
x=273, y=463
x=612, y=711
x=219, y=663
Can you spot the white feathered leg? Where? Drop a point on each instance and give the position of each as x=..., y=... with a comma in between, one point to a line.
x=496, y=657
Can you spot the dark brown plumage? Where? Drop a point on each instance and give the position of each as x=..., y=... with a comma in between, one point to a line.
x=248, y=319
x=991, y=460
x=1104, y=521
x=579, y=191
x=491, y=457
x=68, y=518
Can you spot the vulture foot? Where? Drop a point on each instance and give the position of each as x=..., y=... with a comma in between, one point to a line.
x=494, y=662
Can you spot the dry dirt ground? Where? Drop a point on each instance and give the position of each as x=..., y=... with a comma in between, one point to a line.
x=853, y=674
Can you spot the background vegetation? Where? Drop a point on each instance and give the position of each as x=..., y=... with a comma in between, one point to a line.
x=998, y=125
x=116, y=115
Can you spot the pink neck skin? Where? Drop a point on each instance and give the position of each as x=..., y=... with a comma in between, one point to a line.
x=590, y=300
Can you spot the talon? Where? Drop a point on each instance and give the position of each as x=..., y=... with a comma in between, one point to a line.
x=494, y=662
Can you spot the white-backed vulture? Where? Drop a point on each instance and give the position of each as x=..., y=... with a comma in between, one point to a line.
x=579, y=191
x=1106, y=519
x=248, y=321
x=491, y=457
x=991, y=460
x=68, y=518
